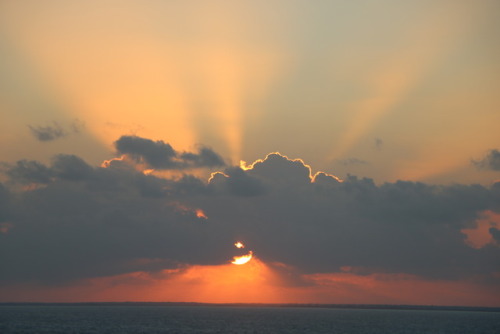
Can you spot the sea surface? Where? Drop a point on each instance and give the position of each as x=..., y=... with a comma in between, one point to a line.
x=123, y=319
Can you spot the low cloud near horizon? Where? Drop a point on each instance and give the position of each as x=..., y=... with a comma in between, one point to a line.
x=69, y=221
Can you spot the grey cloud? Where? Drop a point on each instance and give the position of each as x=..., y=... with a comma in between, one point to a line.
x=55, y=131
x=395, y=227
x=495, y=233
x=490, y=161
x=156, y=154
x=99, y=221
x=70, y=167
x=236, y=182
x=29, y=171
x=4, y=204
x=161, y=155
x=91, y=221
x=204, y=158
x=47, y=133
x=189, y=185
x=279, y=170
x=63, y=166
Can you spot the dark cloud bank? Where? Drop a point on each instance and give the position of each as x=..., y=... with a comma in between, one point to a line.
x=75, y=221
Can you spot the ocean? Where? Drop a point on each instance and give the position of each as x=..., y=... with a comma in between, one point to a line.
x=131, y=318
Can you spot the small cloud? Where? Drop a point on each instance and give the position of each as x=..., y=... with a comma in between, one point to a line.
x=48, y=133
x=352, y=161
x=378, y=143
x=161, y=155
x=77, y=126
x=55, y=131
x=490, y=161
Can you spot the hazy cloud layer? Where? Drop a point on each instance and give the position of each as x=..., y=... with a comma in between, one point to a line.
x=352, y=161
x=54, y=131
x=490, y=161
x=161, y=155
x=79, y=221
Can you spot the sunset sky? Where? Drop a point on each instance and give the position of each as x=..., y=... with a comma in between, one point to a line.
x=352, y=147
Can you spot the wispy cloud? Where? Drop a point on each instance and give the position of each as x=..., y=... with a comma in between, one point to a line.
x=490, y=161
x=55, y=130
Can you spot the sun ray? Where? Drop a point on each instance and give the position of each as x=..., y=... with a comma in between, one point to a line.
x=393, y=79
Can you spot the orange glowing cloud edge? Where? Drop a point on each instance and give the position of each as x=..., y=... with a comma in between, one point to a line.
x=140, y=167
x=184, y=209
x=201, y=214
x=312, y=177
x=244, y=166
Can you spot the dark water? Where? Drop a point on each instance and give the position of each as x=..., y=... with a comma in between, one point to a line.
x=215, y=319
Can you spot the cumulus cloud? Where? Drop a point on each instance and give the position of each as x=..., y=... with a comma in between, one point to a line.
x=91, y=221
x=161, y=155
x=54, y=131
x=490, y=161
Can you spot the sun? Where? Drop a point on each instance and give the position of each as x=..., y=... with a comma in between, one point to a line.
x=239, y=260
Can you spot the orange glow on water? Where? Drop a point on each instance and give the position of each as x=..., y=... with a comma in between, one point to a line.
x=239, y=260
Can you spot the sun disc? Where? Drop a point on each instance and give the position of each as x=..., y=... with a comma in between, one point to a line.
x=239, y=260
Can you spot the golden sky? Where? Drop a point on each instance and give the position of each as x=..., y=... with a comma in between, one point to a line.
x=387, y=90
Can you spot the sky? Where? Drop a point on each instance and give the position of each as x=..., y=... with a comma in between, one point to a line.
x=352, y=147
